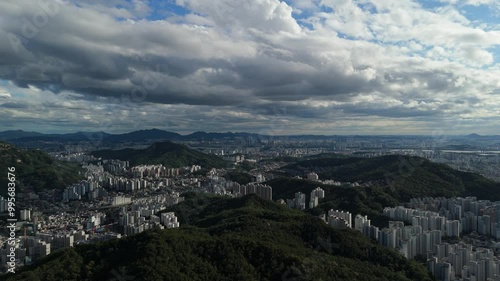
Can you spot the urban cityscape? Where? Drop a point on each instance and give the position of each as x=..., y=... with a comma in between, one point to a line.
x=455, y=237
x=272, y=140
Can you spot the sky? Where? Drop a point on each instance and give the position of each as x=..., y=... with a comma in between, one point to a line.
x=330, y=67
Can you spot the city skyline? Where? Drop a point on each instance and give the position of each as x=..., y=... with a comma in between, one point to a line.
x=271, y=67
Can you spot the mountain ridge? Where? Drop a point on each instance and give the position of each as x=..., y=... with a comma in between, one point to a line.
x=167, y=153
x=384, y=181
x=157, y=134
x=36, y=169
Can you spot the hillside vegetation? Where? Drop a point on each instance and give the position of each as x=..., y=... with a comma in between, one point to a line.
x=36, y=169
x=231, y=239
x=384, y=181
x=406, y=176
x=167, y=153
x=359, y=200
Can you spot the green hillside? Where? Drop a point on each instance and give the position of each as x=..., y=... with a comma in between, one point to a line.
x=231, y=239
x=385, y=181
x=406, y=176
x=360, y=200
x=169, y=154
x=35, y=168
x=239, y=177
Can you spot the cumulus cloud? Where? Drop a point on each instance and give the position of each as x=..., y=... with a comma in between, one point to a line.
x=4, y=94
x=240, y=61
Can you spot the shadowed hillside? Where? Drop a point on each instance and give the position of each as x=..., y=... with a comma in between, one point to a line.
x=35, y=168
x=406, y=176
x=232, y=239
x=169, y=154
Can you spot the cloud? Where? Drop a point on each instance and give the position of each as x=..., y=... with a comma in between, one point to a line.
x=4, y=94
x=340, y=60
x=13, y=105
x=264, y=15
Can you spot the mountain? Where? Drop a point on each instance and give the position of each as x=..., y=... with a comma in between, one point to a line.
x=384, y=181
x=169, y=154
x=473, y=135
x=406, y=176
x=71, y=137
x=242, y=239
x=35, y=168
x=359, y=200
x=15, y=134
x=142, y=135
x=136, y=136
x=153, y=134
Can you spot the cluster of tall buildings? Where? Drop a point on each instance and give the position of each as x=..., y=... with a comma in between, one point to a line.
x=125, y=184
x=115, y=166
x=120, y=200
x=412, y=241
x=262, y=190
x=434, y=218
x=316, y=194
x=217, y=184
x=49, y=234
x=462, y=261
x=25, y=215
x=142, y=215
x=31, y=248
x=134, y=222
x=314, y=177
x=300, y=201
x=89, y=189
x=480, y=216
x=445, y=261
x=157, y=171
x=426, y=220
x=339, y=219
x=343, y=219
x=157, y=202
x=169, y=220
x=236, y=158
x=75, y=157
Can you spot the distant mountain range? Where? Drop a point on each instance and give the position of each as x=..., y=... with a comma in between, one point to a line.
x=19, y=136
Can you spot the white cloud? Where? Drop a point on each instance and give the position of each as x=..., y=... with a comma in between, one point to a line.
x=232, y=63
x=475, y=56
x=4, y=94
x=263, y=15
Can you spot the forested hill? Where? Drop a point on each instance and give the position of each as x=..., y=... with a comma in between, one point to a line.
x=169, y=154
x=406, y=176
x=36, y=169
x=231, y=239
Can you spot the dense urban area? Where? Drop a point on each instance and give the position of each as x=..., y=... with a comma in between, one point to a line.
x=454, y=237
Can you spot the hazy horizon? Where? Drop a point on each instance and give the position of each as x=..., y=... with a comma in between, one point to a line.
x=185, y=133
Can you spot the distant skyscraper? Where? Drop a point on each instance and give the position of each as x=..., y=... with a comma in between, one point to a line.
x=300, y=201
x=25, y=215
